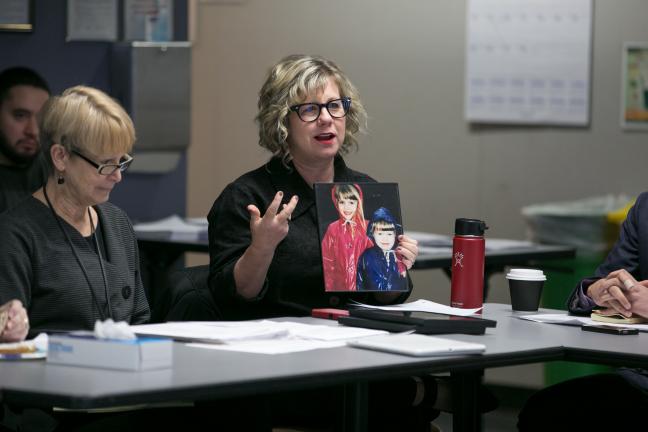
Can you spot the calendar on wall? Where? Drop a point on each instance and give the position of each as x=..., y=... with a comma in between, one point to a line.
x=528, y=61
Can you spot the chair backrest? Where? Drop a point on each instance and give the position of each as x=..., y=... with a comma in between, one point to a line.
x=187, y=297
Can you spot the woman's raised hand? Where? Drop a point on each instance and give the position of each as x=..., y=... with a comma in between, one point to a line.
x=270, y=229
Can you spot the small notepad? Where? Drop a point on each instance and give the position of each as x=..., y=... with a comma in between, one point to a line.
x=418, y=345
x=617, y=318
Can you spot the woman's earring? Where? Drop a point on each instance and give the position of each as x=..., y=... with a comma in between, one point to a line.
x=60, y=180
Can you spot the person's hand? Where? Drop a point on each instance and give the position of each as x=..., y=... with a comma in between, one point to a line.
x=610, y=292
x=407, y=250
x=17, y=323
x=268, y=231
x=638, y=297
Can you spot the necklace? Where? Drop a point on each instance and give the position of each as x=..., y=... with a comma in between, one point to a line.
x=57, y=218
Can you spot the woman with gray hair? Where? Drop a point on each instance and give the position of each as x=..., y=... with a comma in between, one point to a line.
x=268, y=264
x=66, y=245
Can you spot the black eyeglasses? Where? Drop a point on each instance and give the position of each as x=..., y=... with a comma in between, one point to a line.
x=310, y=111
x=107, y=169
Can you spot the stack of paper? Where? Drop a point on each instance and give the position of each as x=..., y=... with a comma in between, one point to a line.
x=176, y=227
x=566, y=319
x=265, y=337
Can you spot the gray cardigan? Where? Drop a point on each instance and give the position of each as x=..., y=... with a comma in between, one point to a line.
x=38, y=267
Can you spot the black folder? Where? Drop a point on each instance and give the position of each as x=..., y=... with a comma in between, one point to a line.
x=420, y=322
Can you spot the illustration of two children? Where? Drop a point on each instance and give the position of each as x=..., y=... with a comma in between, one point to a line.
x=358, y=256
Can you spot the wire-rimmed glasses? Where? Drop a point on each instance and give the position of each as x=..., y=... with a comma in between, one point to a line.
x=107, y=169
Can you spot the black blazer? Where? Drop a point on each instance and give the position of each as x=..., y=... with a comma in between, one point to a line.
x=630, y=252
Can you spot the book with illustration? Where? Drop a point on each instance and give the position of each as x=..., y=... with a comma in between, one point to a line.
x=359, y=227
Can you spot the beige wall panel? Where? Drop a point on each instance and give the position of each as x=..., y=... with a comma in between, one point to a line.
x=407, y=59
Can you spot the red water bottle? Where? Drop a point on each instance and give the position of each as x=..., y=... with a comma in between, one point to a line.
x=468, y=245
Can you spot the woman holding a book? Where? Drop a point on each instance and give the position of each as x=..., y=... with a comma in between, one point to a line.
x=265, y=258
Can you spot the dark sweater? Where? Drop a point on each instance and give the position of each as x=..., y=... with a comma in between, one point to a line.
x=38, y=267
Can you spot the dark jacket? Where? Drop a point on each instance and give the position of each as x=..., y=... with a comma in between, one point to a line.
x=630, y=252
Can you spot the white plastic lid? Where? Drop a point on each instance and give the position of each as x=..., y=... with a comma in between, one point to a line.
x=526, y=274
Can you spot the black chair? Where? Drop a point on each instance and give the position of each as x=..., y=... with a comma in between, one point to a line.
x=186, y=297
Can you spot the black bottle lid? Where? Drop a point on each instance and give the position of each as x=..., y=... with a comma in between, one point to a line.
x=470, y=227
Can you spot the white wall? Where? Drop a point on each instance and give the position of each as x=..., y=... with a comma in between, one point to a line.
x=407, y=59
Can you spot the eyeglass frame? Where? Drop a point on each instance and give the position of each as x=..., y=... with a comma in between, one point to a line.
x=122, y=166
x=346, y=104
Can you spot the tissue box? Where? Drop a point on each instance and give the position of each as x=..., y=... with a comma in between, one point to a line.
x=136, y=354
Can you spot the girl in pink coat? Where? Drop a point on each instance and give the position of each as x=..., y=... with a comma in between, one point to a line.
x=345, y=239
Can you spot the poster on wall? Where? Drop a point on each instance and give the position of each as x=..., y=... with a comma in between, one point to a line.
x=16, y=15
x=92, y=20
x=634, y=86
x=528, y=61
x=148, y=20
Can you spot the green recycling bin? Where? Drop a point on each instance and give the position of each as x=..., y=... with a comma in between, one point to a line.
x=583, y=224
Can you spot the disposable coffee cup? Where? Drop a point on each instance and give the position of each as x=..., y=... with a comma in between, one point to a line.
x=525, y=286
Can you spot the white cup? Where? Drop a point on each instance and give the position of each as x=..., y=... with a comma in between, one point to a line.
x=526, y=274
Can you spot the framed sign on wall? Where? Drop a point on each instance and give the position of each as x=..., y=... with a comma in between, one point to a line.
x=16, y=15
x=634, y=86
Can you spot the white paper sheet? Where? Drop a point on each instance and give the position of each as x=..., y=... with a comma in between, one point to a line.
x=576, y=320
x=275, y=346
x=262, y=337
x=177, y=227
x=92, y=20
x=327, y=333
x=528, y=61
x=423, y=306
x=213, y=332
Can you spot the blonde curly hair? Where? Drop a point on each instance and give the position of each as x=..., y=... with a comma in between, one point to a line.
x=288, y=83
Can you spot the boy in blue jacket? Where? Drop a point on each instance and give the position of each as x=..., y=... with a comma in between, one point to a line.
x=380, y=268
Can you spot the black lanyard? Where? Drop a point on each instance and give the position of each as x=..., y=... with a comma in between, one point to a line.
x=78, y=259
